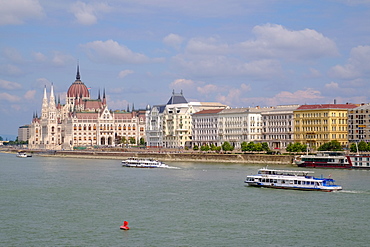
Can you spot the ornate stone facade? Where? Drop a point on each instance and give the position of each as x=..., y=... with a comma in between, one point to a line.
x=83, y=122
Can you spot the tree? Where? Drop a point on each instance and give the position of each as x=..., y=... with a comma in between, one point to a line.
x=296, y=147
x=258, y=147
x=196, y=148
x=243, y=146
x=331, y=146
x=265, y=146
x=142, y=141
x=205, y=147
x=132, y=140
x=226, y=146
x=1, y=138
x=353, y=148
x=362, y=146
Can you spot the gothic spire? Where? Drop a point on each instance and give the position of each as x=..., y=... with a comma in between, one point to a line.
x=78, y=77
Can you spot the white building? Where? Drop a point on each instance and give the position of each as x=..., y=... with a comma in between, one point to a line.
x=278, y=126
x=205, y=127
x=24, y=133
x=239, y=125
x=358, y=124
x=82, y=121
x=170, y=125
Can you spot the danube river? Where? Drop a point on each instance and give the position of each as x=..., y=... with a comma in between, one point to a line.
x=47, y=201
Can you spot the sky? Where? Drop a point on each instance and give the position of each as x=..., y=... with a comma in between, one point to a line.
x=236, y=52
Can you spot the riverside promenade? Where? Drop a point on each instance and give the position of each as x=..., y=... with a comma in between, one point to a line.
x=169, y=155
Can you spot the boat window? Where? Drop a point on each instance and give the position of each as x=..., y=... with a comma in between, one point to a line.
x=295, y=181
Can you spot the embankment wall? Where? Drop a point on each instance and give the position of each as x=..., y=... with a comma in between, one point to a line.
x=199, y=157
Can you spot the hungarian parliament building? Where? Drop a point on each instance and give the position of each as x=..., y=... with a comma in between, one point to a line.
x=85, y=122
x=82, y=121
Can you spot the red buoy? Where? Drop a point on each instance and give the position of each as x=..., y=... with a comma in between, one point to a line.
x=124, y=226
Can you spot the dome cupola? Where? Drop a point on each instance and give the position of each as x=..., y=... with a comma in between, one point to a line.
x=78, y=88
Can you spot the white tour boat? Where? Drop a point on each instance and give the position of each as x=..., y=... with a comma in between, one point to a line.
x=284, y=179
x=23, y=155
x=143, y=163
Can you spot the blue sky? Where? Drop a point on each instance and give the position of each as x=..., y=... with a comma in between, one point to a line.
x=240, y=53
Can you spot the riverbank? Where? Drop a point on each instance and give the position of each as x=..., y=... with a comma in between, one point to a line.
x=172, y=156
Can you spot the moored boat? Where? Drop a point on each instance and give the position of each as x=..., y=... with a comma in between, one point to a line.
x=333, y=159
x=286, y=179
x=23, y=155
x=143, y=163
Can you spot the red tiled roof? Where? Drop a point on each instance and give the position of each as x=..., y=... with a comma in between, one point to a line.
x=327, y=106
x=87, y=115
x=210, y=111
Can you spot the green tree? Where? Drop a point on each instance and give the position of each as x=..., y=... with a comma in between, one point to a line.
x=226, y=146
x=196, y=148
x=205, y=147
x=265, y=146
x=251, y=146
x=132, y=140
x=331, y=146
x=362, y=146
x=213, y=147
x=296, y=147
x=353, y=148
x=142, y=141
x=243, y=146
x=258, y=147
x=1, y=138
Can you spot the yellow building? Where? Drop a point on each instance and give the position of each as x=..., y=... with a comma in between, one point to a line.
x=315, y=125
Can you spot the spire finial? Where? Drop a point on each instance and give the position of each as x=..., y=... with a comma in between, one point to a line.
x=78, y=77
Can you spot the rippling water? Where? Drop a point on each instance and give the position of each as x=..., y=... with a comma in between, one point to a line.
x=82, y=202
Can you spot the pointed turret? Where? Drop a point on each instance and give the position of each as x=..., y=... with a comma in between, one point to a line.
x=44, y=108
x=78, y=77
x=104, y=99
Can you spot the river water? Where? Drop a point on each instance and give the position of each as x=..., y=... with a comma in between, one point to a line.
x=82, y=202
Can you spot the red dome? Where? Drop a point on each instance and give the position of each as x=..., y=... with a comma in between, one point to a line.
x=78, y=89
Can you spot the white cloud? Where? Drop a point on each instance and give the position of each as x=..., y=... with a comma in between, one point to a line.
x=60, y=59
x=358, y=64
x=13, y=55
x=9, y=85
x=275, y=41
x=209, y=89
x=15, y=12
x=9, y=69
x=39, y=57
x=206, y=46
x=124, y=73
x=173, y=40
x=9, y=97
x=332, y=85
x=234, y=96
x=30, y=94
x=87, y=14
x=111, y=52
x=181, y=84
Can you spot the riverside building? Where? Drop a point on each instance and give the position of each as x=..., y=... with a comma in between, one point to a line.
x=82, y=121
x=359, y=124
x=239, y=125
x=278, y=126
x=205, y=127
x=170, y=125
x=315, y=125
